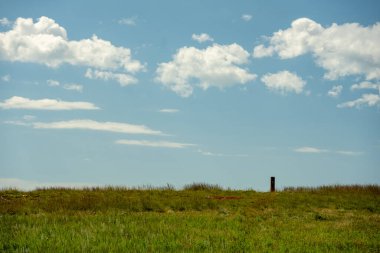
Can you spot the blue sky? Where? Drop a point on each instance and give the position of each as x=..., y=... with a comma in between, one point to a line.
x=153, y=92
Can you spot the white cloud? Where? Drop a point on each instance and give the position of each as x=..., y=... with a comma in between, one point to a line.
x=366, y=99
x=29, y=117
x=342, y=50
x=313, y=150
x=6, y=78
x=73, y=86
x=215, y=66
x=52, y=83
x=246, y=17
x=121, y=78
x=67, y=86
x=29, y=185
x=44, y=104
x=202, y=37
x=131, y=21
x=207, y=153
x=5, y=22
x=284, y=82
x=154, y=144
x=87, y=124
x=262, y=51
x=46, y=42
x=310, y=150
x=349, y=153
x=335, y=91
x=365, y=85
x=25, y=121
x=16, y=122
x=169, y=110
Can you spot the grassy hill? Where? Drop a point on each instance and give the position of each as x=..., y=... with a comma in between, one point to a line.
x=199, y=218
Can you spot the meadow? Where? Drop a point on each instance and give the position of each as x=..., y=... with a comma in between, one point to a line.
x=198, y=218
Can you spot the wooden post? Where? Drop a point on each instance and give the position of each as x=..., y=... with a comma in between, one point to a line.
x=272, y=184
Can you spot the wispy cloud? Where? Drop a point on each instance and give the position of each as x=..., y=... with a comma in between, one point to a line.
x=87, y=124
x=5, y=22
x=6, y=78
x=310, y=150
x=29, y=117
x=365, y=85
x=122, y=78
x=349, y=153
x=73, y=87
x=24, y=121
x=335, y=91
x=17, y=122
x=52, y=83
x=131, y=21
x=154, y=144
x=246, y=17
x=366, y=100
x=203, y=37
x=45, y=104
x=67, y=86
x=169, y=110
x=314, y=150
x=208, y=153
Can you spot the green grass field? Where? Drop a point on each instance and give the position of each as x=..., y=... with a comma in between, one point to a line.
x=199, y=218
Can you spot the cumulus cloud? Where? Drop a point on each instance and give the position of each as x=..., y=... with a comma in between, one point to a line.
x=366, y=100
x=215, y=66
x=169, y=110
x=154, y=144
x=121, y=78
x=335, y=91
x=246, y=17
x=262, y=51
x=203, y=37
x=16, y=102
x=87, y=124
x=46, y=42
x=342, y=50
x=283, y=82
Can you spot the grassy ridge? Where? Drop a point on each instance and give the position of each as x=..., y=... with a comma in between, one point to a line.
x=199, y=218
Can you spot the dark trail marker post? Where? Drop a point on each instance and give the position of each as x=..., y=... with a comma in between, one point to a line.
x=272, y=184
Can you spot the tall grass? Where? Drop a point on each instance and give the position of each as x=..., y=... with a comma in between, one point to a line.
x=375, y=189
x=198, y=218
x=202, y=187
